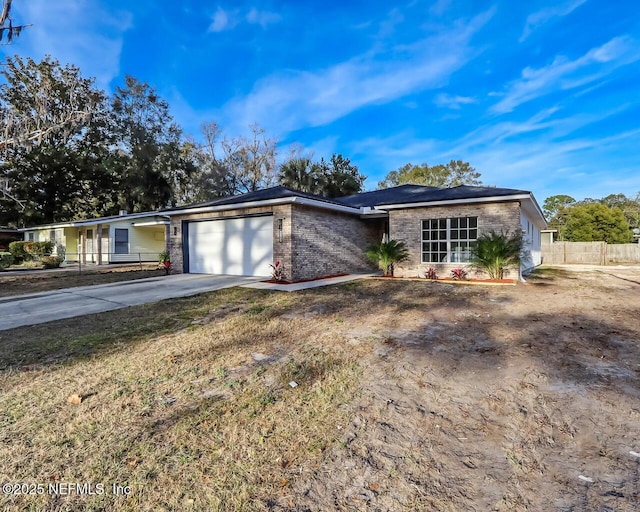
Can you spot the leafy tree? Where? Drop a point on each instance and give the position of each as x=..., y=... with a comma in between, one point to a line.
x=453, y=174
x=339, y=177
x=630, y=207
x=299, y=173
x=53, y=124
x=335, y=178
x=494, y=252
x=596, y=222
x=386, y=254
x=153, y=163
x=555, y=209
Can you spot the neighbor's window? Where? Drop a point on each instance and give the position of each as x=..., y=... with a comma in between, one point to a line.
x=121, y=239
x=448, y=240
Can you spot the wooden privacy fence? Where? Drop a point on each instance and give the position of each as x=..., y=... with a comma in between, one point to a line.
x=590, y=253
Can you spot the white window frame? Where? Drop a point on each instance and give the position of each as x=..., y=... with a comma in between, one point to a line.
x=444, y=239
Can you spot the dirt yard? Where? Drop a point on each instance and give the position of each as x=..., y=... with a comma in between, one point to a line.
x=410, y=396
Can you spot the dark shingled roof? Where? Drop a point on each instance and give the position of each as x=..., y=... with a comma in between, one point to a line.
x=394, y=195
x=420, y=194
x=266, y=194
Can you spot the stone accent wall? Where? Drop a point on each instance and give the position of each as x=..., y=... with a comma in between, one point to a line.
x=406, y=225
x=281, y=250
x=326, y=243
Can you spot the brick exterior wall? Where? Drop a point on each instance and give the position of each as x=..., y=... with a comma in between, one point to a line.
x=316, y=242
x=406, y=225
x=281, y=250
x=327, y=243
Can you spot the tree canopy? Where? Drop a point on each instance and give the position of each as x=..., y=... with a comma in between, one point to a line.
x=453, y=174
x=335, y=178
x=596, y=222
x=69, y=150
x=559, y=209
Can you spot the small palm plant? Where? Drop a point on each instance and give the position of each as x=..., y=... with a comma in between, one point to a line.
x=494, y=252
x=386, y=254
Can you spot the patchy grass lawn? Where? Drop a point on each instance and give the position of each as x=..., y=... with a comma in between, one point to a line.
x=410, y=396
x=33, y=282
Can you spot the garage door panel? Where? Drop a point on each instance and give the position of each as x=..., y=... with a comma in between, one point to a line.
x=240, y=246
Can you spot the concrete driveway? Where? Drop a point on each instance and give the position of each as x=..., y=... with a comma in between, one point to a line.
x=37, y=308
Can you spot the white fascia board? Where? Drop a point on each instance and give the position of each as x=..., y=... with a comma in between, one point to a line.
x=94, y=222
x=529, y=204
x=269, y=202
x=151, y=223
x=446, y=202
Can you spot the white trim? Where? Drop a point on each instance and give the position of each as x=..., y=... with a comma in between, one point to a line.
x=269, y=202
x=530, y=204
x=151, y=223
x=90, y=222
x=486, y=199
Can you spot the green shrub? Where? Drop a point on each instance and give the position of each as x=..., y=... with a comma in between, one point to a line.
x=6, y=259
x=39, y=249
x=51, y=261
x=494, y=252
x=385, y=254
x=19, y=251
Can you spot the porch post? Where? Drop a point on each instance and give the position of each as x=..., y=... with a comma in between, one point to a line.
x=99, y=242
x=82, y=258
x=167, y=237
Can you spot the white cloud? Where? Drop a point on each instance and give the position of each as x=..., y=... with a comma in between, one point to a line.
x=226, y=20
x=543, y=16
x=547, y=154
x=222, y=20
x=564, y=74
x=262, y=18
x=287, y=101
x=453, y=102
x=79, y=32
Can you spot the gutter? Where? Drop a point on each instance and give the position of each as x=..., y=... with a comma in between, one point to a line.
x=91, y=222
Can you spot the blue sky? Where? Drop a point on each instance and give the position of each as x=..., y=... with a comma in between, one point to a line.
x=540, y=95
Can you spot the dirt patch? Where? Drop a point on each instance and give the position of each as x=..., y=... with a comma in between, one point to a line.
x=409, y=395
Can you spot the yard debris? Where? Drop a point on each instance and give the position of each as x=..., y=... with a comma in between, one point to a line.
x=585, y=478
x=634, y=454
x=293, y=384
x=75, y=399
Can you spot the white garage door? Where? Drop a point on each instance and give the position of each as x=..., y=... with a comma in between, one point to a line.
x=240, y=247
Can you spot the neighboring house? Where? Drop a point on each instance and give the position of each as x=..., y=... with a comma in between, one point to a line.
x=117, y=239
x=8, y=235
x=314, y=236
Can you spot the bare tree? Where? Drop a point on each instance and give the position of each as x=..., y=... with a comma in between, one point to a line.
x=7, y=26
x=251, y=161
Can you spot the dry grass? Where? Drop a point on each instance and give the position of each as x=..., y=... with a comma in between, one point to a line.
x=33, y=282
x=411, y=396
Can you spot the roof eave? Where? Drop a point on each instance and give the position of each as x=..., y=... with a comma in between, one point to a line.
x=532, y=205
x=267, y=202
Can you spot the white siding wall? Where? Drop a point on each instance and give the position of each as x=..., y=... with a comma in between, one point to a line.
x=145, y=242
x=532, y=238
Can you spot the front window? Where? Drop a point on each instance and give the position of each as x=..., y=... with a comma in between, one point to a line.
x=448, y=240
x=121, y=239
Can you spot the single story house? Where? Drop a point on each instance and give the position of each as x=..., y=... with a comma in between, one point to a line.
x=311, y=236
x=120, y=238
x=314, y=236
